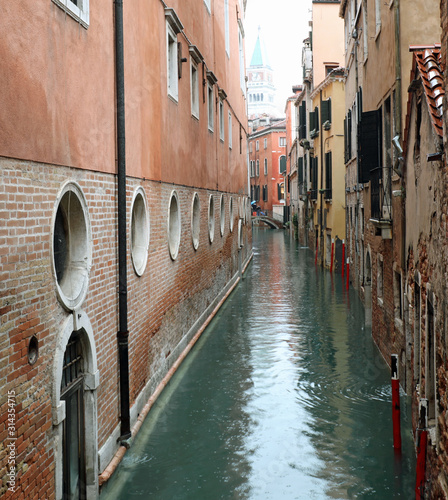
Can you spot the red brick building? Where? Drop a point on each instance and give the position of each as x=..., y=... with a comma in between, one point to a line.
x=267, y=164
x=120, y=233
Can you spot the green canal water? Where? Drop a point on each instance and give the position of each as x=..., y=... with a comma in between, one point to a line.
x=285, y=396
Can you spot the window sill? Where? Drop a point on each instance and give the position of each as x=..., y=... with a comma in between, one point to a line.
x=172, y=97
x=378, y=32
x=79, y=15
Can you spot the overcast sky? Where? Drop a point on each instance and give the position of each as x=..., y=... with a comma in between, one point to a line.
x=284, y=26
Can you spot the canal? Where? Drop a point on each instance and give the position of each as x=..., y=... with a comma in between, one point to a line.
x=285, y=396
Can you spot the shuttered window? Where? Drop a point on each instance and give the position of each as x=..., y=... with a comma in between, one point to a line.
x=328, y=176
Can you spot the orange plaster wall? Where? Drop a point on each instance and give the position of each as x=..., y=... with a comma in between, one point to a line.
x=47, y=112
x=63, y=75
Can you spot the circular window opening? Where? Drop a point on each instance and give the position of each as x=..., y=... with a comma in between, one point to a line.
x=174, y=225
x=139, y=232
x=231, y=214
x=195, y=220
x=71, y=246
x=33, y=350
x=222, y=214
x=240, y=233
x=211, y=219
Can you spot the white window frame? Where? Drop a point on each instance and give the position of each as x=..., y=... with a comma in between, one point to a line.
x=172, y=76
x=265, y=143
x=210, y=109
x=230, y=129
x=258, y=168
x=257, y=145
x=173, y=27
x=282, y=142
x=221, y=120
x=80, y=13
x=377, y=17
x=194, y=88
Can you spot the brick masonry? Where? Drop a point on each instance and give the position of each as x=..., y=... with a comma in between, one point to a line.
x=164, y=303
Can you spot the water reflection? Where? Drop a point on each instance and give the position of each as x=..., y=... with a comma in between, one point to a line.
x=284, y=397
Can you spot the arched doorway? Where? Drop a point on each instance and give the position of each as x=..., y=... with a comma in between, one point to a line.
x=73, y=433
x=76, y=379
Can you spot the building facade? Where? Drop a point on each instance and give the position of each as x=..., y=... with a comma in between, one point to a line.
x=393, y=161
x=267, y=165
x=87, y=333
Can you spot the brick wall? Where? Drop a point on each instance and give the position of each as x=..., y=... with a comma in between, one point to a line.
x=164, y=303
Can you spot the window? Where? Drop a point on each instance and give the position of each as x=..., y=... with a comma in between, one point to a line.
x=230, y=129
x=72, y=246
x=210, y=107
x=221, y=120
x=398, y=296
x=211, y=219
x=251, y=168
x=139, y=232
x=302, y=121
x=211, y=80
x=326, y=113
x=250, y=147
x=78, y=9
x=258, y=168
x=173, y=27
x=265, y=144
x=379, y=285
x=282, y=142
x=231, y=221
x=282, y=164
x=265, y=166
x=195, y=220
x=265, y=192
x=222, y=214
x=328, y=176
x=226, y=26
x=194, y=90
x=174, y=225
x=377, y=17
x=257, y=146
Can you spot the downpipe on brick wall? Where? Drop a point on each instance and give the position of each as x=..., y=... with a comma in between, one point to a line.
x=122, y=334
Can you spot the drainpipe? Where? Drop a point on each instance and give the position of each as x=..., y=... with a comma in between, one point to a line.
x=123, y=334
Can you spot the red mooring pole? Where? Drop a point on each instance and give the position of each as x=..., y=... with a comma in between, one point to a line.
x=422, y=440
x=343, y=257
x=396, y=402
x=348, y=273
x=332, y=254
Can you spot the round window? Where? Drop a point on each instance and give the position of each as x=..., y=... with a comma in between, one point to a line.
x=231, y=214
x=222, y=214
x=139, y=232
x=72, y=246
x=174, y=225
x=195, y=220
x=211, y=219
